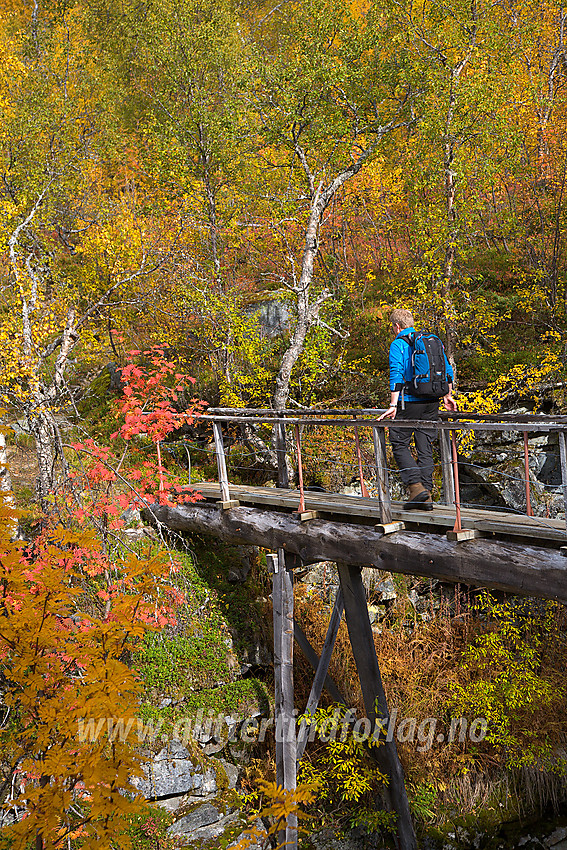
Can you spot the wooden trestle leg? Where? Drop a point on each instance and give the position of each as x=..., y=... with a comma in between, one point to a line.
x=321, y=671
x=364, y=651
x=284, y=701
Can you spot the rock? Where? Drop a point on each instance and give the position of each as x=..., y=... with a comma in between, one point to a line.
x=259, y=842
x=201, y=825
x=131, y=516
x=353, y=489
x=387, y=590
x=557, y=837
x=325, y=578
x=255, y=654
x=232, y=773
x=202, y=816
x=375, y=613
x=172, y=773
x=171, y=804
x=273, y=316
x=244, y=556
x=357, y=838
x=115, y=384
x=505, y=483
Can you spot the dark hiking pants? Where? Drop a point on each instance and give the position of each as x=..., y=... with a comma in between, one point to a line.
x=400, y=438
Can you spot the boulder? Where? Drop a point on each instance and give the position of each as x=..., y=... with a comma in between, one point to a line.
x=255, y=653
x=173, y=773
x=558, y=839
x=503, y=481
x=201, y=816
x=243, y=559
x=260, y=841
x=272, y=315
x=203, y=824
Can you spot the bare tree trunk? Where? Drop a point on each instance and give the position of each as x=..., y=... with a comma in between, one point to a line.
x=307, y=310
x=6, y=496
x=42, y=426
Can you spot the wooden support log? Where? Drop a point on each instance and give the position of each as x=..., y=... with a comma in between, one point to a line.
x=513, y=567
x=284, y=695
x=313, y=658
x=364, y=651
x=320, y=672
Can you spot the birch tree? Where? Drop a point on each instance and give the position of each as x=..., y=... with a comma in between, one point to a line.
x=328, y=97
x=71, y=248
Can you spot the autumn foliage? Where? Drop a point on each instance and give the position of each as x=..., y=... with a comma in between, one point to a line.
x=75, y=606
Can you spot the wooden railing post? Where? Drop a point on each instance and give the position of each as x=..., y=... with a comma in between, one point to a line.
x=281, y=451
x=382, y=477
x=563, y=456
x=527, y=472
x=446, y=467
x=221, y=462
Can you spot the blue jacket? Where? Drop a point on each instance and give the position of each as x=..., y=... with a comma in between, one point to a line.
x=400, y=365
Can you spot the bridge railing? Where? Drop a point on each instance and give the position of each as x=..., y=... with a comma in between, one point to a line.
x=287, y=428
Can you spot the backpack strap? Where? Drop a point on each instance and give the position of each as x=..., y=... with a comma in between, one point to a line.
x=410, y=338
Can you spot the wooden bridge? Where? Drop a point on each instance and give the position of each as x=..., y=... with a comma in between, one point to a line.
x=521, y=554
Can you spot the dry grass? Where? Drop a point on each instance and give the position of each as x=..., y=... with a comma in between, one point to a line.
x=421, y=662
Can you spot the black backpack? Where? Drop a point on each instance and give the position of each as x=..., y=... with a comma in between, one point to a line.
x=429, y=373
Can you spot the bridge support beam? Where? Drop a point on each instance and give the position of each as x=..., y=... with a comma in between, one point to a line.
x=321, y=671
x=364, y=651
x=515, y=567
x=286, y=741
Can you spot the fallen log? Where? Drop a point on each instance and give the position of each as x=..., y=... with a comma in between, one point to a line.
x=513, y=567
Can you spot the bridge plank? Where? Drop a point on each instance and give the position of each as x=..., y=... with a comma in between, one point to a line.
x=442, y=517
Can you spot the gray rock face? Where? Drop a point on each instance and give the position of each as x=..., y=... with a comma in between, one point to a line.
x=202, y=816
x=232, y=773
x=259, y=844
x=498, y=476
x=558, y=839
x=255, y=654
x=272, y=316
x=171, y=773
x=201, y=825
x=240, y=567
x=131, y=516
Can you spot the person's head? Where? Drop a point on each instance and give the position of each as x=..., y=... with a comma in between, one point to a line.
x=401, y=319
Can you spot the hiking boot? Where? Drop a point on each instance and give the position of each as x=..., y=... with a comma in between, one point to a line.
x=419, y=498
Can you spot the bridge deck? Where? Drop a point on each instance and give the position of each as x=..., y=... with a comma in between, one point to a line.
x=538, y=530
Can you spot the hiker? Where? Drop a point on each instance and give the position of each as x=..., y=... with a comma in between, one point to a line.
x=416, y=395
